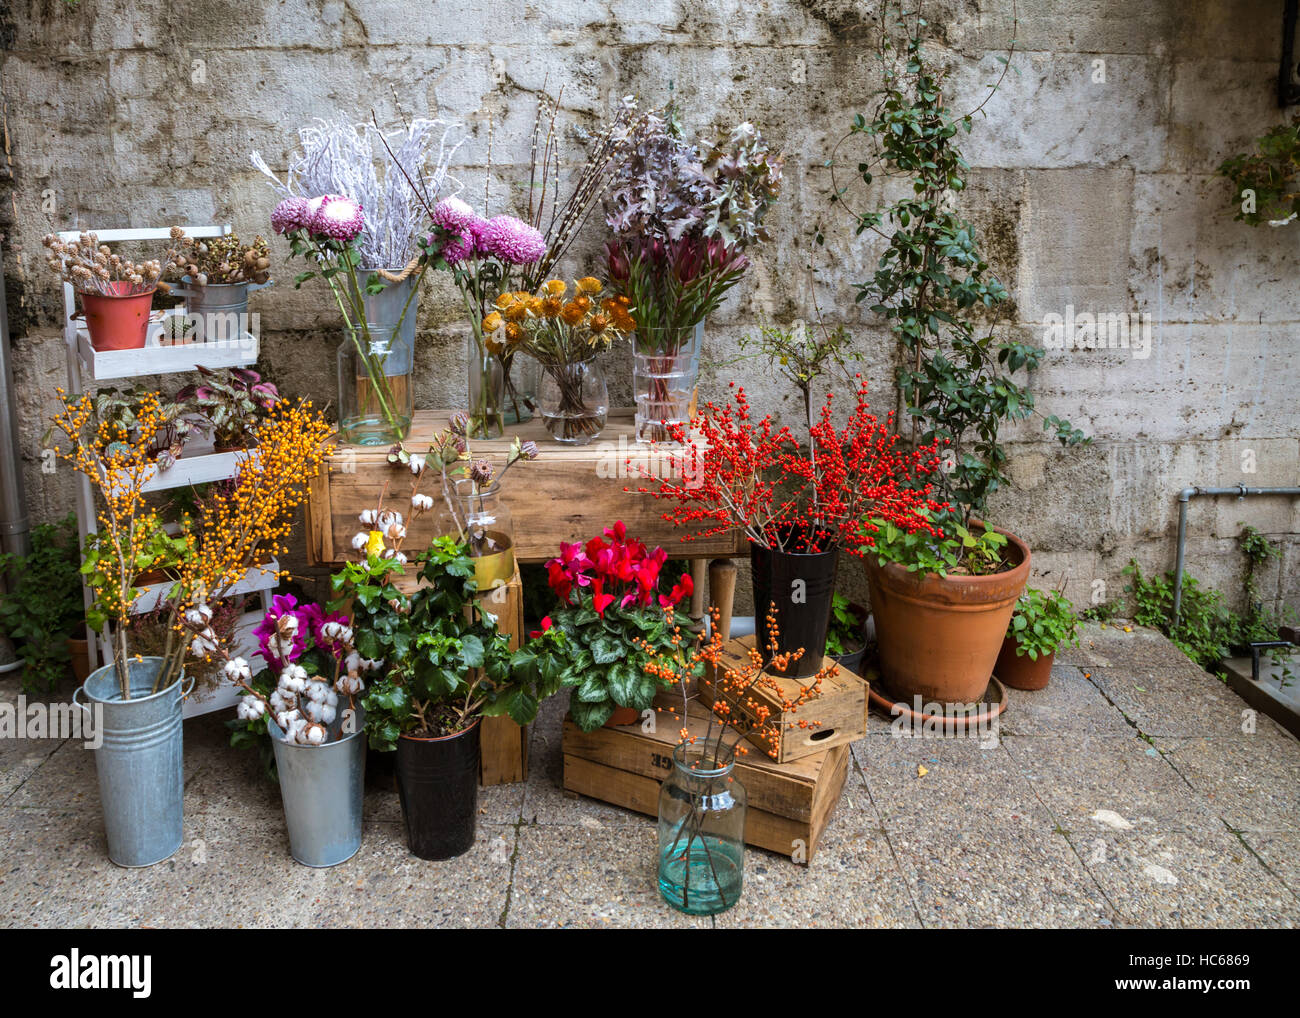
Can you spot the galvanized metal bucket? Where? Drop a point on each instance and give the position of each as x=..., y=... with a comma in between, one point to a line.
x=140, y=762
x=221, y=309
x=385, y=308
x=322, y=788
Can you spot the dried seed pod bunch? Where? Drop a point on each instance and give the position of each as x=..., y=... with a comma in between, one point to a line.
x=93, y=267
x=219, y=260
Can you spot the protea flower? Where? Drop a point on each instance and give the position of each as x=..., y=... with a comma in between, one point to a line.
x=337, y=217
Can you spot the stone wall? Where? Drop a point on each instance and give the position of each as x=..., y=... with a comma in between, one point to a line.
x=1092, y=184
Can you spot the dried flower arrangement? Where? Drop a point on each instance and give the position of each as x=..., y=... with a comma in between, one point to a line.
x=219, y=260
x=253, y=513
x=92, y=267
x=561, y=335
x=683, y=216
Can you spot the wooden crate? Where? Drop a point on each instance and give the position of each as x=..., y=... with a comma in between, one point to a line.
x=789, y=804
x=503, y=745
x=567, y=494
x=840, y=710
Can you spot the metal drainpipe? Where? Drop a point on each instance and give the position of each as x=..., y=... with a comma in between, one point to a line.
x=1184, y=497
x=14, y=524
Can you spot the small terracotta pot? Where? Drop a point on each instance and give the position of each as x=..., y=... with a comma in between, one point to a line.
x=1020, y=671
x=151, y=576
x=623, y=716
x=939, y=636
x=79, y=651
x=117, y=321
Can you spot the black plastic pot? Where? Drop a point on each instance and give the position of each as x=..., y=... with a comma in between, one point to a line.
x=437, y=781
x=801, y=586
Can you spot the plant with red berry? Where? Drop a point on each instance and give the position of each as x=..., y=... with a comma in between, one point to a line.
x=613, y=617
x=732, y=472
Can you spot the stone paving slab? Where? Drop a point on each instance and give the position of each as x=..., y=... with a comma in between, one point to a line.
x=1095, y=786
x=993, y=833
x=1204, y=878
x=1070, y=705
x=1253, y=782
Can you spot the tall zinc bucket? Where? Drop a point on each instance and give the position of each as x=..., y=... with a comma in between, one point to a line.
x=386, y=307
x=139, y=761
x=322, y=788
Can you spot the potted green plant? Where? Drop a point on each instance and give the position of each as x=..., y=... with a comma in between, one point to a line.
x=943, y=592
x=614, y=620
x=41, y=608
x=441, y=665
x=1040, y=624
x=231, y=402
x=942, y=596
x=158, y=557
x=178, y=420
x=846, y=637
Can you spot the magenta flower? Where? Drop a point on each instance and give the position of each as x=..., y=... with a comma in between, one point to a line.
x=337, y=217
x=460, y=223
x=291, y=214
x=512, y=241
x=280, y=635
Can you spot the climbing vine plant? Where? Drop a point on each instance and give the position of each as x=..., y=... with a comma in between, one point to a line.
x=933, y=285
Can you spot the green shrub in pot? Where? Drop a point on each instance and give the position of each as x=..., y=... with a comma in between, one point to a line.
x=1042, y=622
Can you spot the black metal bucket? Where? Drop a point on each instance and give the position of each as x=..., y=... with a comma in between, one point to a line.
x=801, y=586
x=437, y=782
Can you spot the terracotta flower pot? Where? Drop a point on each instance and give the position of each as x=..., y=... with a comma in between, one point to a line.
x=623, y=716
x=79, y=651
x=117, y=321
x=1020, y=671
x=939, y=636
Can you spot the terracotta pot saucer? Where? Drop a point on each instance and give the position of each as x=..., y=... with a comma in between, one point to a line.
x=993, y=704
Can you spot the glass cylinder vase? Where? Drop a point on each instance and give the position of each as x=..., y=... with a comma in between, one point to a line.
x=702, y=830
x=376, y=400
x=479, y=518
x=665, y=375
x=522, y=377
x=574, y=401
x=486, y=390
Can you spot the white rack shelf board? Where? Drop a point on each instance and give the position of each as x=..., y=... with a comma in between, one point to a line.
x=258, y=578
x=155, y=358
x=198, y=469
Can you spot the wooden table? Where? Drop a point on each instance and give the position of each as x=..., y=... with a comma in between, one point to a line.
x=566, y=494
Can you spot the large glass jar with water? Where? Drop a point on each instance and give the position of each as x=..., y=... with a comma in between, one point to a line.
x=665, y=373
x=702, y=830
x=376, y=400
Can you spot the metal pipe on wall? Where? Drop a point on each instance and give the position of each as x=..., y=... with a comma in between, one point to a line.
x=1184, y=498
x=15, y=525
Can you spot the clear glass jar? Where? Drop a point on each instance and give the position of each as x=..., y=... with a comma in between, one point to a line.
x=481, y=519
x=702, y=830
x=376, y=399
x=486, y=390
x=665, y=376
x=522, y=376
x=574, y=401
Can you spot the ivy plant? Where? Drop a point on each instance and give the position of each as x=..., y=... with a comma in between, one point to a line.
x=1266, y=181
x=933, y=285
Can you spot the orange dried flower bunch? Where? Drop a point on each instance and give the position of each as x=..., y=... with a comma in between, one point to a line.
x=735, y=705
x=556, y=327
x=253, y=513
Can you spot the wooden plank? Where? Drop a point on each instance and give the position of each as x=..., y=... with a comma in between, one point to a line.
x=503, y=745
x=641, y=794
x=840, y=710
x=567, y=494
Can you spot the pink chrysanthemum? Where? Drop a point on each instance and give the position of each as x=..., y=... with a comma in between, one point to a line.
x=337, y=217
x=460, y=223
x=512, y=240
x=291, y=214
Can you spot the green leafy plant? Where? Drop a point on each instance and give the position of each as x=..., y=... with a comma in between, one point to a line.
x=1042, y=622
x=445, y=662
x=158, y=551
x=42, y=604
x=844, y=634
x=933, y=285
x=961, y=550
x=1266, y=181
